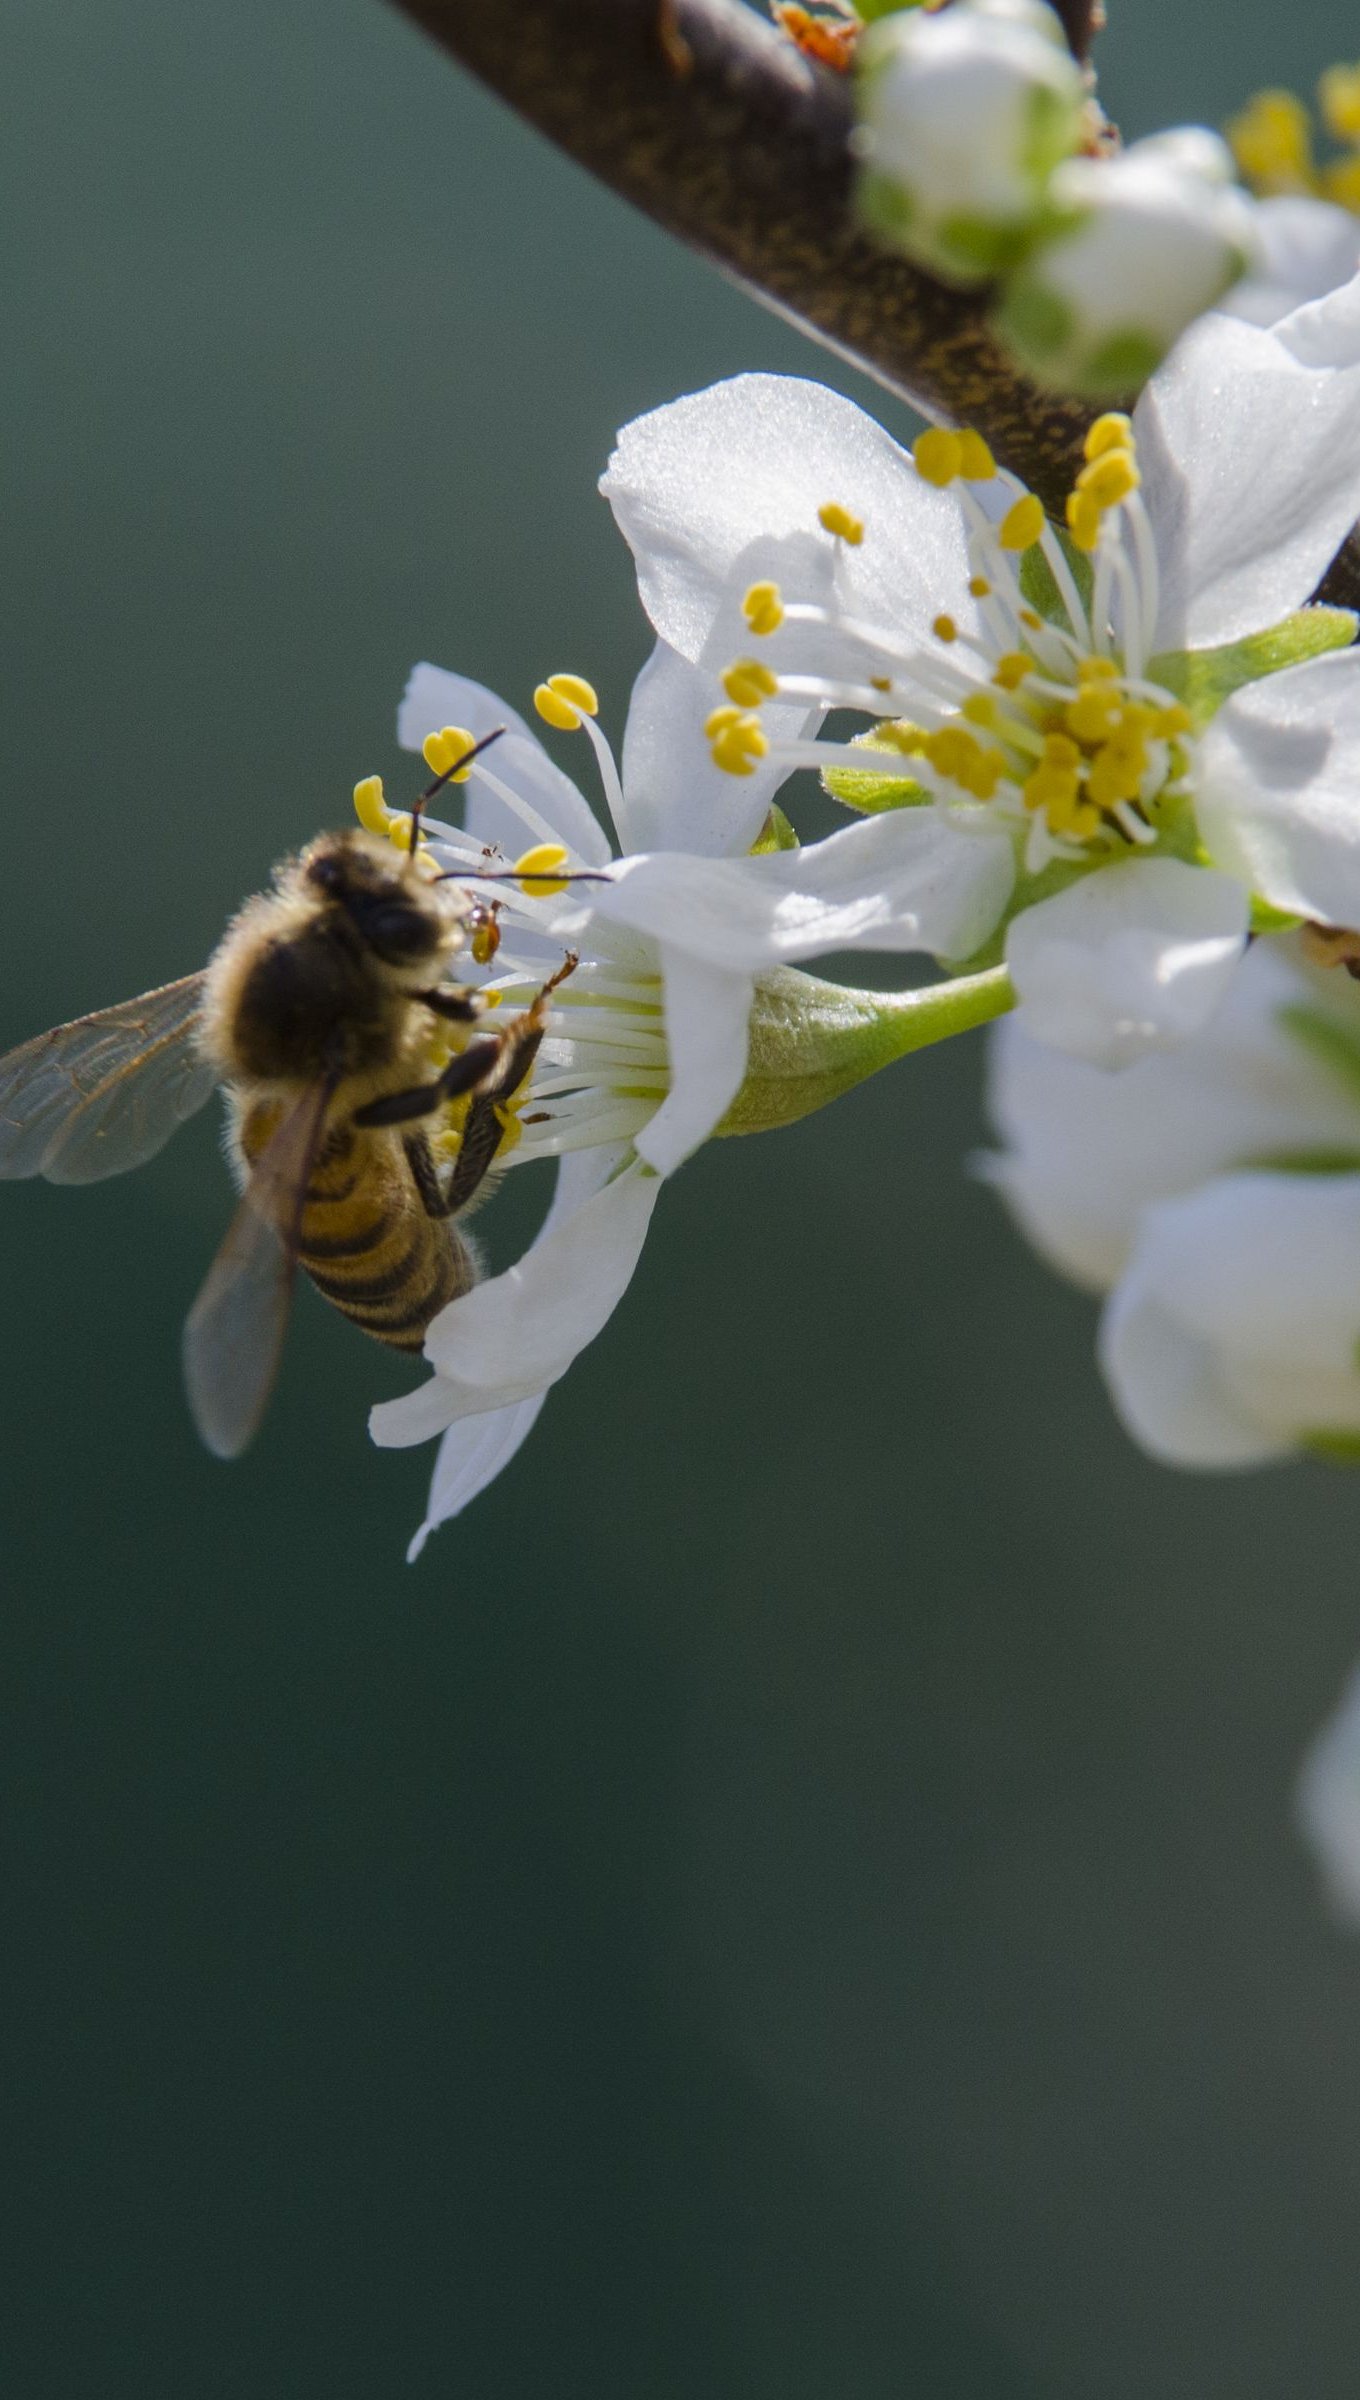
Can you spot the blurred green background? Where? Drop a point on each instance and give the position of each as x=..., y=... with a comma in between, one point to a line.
x=794, y=1898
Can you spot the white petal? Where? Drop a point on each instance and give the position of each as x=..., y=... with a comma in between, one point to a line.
x=1087, y=1151
x=1310, y=246
x=520, y=1331
x=722, y=489
x=1233, y=1334
x=433, y=698
x=708, y=1015
x=436, y=1404
x=1164, y=1381
x=1329, y=1802
x=1131, y=959
x=674, y=796
x=471, y=1456
x=1249, y=445
x=907, y=880
x=1278, y=801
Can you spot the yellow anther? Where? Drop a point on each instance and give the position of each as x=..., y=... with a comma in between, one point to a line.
x=1093, y=715
x=1083, y=520
x=737, y=743
x=1049, y=786
x=535, y=870
x=976, y=463
x=1168, y=722
x=834, y=519
x=441, y=749
x=957, y=754
x=1341, y=183
x=564, y=699
x=1022, y=524
x=398, y=831
x=938, y=456
x=370, y=807
x=880, y=683
x=1109, y=478
x=1114, y=775
x=1339, y=101
x=748, y=681
x=898, y=733
x=1011, y=669
x=1061, y=751
x=1272, y=143
x=763, y=608
x=980, y=708
x=1030, y=619
x=1113, y=431
x=944, y=628
x=979, y=587
x=1094, y=669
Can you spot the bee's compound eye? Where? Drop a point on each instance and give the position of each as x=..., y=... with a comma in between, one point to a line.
x=397, y=931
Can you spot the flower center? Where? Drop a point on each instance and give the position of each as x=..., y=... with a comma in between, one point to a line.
x=1048, y=719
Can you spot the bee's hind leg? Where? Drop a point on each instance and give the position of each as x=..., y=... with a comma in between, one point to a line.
x=484, y=1128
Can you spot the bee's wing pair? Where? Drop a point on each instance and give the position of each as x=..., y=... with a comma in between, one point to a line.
x=105, y=1093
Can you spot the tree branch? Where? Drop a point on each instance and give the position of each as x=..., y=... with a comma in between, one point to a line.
x=699, y=113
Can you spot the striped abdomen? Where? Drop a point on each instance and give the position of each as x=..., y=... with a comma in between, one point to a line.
x=366, y=1240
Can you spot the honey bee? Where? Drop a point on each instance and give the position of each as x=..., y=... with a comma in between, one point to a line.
x=317, y=1015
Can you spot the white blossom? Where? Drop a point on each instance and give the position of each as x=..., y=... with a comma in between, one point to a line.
x=1307, y=247
x=1118, y=787
x=1329, y=1803
x=647, y=1038
x=1216, y=1193
x=963, y=114
x=1149, y=239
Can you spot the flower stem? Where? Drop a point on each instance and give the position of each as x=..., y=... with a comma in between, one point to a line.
x=811, y=1041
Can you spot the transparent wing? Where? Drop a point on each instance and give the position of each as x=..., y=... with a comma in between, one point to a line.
x=105, y=1092
x=233, y=1335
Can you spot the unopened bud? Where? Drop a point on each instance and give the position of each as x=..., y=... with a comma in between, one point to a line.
x=1154, y=238
x=964, y=113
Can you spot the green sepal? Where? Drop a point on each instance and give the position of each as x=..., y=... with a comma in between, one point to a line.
x=1036, y=578
x=870, y=790
x=810, y=1041
x=1265, y=917
x=1330, y=1043
x=870, y=10
x=1303, y=1162
x=1340, y=1449
x=775, y=834
x=1204, y=679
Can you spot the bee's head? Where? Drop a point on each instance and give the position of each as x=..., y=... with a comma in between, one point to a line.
x=396, y=916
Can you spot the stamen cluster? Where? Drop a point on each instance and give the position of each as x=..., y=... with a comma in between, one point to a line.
x=1051, y=721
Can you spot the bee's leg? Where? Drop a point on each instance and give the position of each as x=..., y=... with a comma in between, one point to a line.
x=462, y=1074
x=463, y=1007
x=484, y=1127
x=425, y=1175
x=483, y=1133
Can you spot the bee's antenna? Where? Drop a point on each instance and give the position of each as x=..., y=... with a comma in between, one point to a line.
x=440, y=780
x=529, y=875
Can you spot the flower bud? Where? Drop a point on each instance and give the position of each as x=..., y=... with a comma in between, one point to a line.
x=963, y=116
x=1152, y=239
